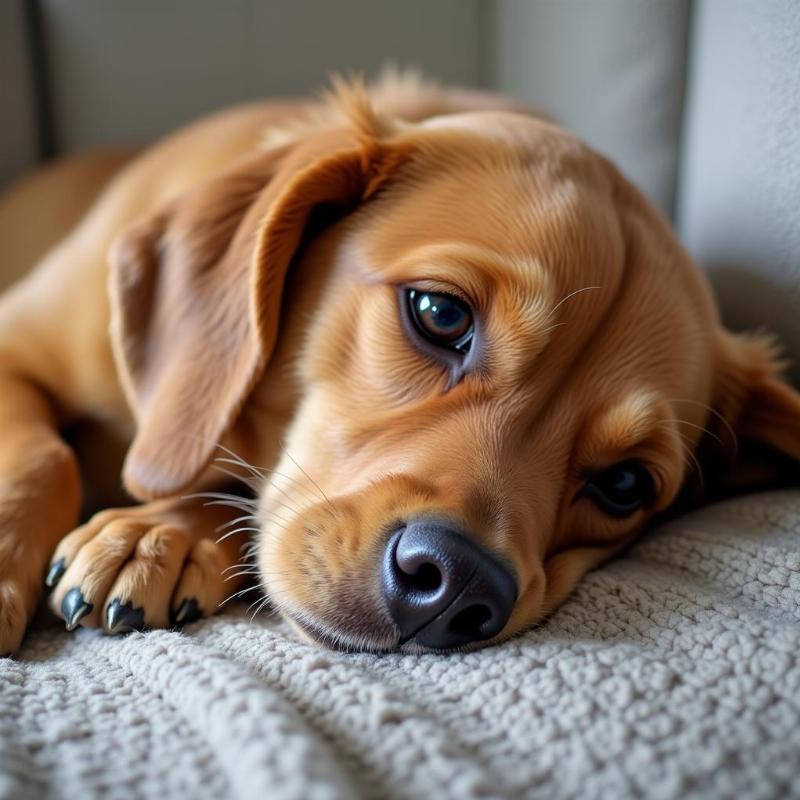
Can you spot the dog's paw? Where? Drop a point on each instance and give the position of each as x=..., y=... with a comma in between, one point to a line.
x=15, y=611
x=129, y=569
x=20, y=590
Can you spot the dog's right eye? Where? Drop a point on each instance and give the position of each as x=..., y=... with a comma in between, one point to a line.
x=621, y=489
x=442, y=319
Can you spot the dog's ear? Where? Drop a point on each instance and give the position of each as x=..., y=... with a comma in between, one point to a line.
x=755, y=425
x=196, y=293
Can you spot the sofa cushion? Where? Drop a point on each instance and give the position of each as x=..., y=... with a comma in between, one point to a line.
x=612, y=71
x=740, y=176
x=671, y=672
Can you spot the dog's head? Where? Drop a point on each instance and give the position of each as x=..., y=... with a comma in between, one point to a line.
x=509, y=365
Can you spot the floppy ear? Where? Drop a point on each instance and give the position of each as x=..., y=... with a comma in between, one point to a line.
x=753, y=397
x=195, y=295
x=756, y=423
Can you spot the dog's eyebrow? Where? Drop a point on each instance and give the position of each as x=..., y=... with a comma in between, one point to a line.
x=479, y=271
x=625, y=423
x=640, y=418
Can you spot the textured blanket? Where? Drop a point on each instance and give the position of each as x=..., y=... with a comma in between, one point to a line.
x=673, y=672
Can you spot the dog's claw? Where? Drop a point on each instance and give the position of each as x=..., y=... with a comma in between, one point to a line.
x=74, y=608
x=188, y=611
x=55, y=573
x=123, y=617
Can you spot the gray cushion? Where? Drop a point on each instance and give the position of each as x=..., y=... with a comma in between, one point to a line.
x=17, y=130
x=612, y=71
x=739, y=209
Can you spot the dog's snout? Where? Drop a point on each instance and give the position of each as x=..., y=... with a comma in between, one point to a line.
x=442, y=590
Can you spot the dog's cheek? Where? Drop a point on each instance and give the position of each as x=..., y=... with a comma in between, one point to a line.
x=358, y=350
x=392, y=372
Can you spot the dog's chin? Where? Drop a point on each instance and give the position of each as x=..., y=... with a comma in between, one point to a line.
x=335, y=639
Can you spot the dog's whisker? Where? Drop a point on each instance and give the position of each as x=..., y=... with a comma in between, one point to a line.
x=243, y=518
x=691, y=459
x=226, y=504
x=287, y=496
x=564, y=300
x=692, y=425
x=259, y=599
x=238, y=459
x=222, y=499
x=240, y=565
x=259, y=472
x=261, y=603
x=240, y=574
x=275, y=515
x=236, y=531
x=298, y=486
x=242, y=529
x=255, y=473
x=244, y=569
x=259, y=609
x=547, y=330
x=220, y=496
x=720, y=417
x=240, y=593
x=700, y=476
x=250, y=483
x=699, y=469
x=319, y=488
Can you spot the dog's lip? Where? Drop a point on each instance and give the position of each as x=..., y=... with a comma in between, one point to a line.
x=322, y=636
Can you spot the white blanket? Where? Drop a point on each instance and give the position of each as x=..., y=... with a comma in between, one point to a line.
x=673, y=672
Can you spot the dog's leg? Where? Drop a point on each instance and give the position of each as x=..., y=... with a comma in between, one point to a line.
x=39, y=500
x=166, y=562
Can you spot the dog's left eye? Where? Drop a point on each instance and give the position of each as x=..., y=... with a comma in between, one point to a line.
x=442, y=319
x=622, y=489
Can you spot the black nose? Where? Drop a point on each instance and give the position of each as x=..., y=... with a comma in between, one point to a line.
x=442, y=590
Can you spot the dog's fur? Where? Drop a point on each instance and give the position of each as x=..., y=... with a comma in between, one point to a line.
x=236, y=285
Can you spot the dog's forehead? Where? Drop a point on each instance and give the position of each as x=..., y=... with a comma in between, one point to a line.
x=507, y=127
x=509, y=228
x=509, y=182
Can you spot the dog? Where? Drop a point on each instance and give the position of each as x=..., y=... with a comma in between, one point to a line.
x=450, y=356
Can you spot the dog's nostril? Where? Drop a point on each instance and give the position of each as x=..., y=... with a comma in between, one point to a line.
x=427, y=578
x=469, y=621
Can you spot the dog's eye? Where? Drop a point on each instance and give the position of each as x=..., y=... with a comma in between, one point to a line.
x=622, y=489
x=442, y=319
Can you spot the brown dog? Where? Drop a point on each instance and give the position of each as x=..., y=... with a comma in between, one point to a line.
x=476, y=358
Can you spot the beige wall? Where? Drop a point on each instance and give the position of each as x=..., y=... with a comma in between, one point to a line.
x=18, y=147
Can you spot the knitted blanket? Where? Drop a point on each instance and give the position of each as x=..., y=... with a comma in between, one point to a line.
x=672, y=672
